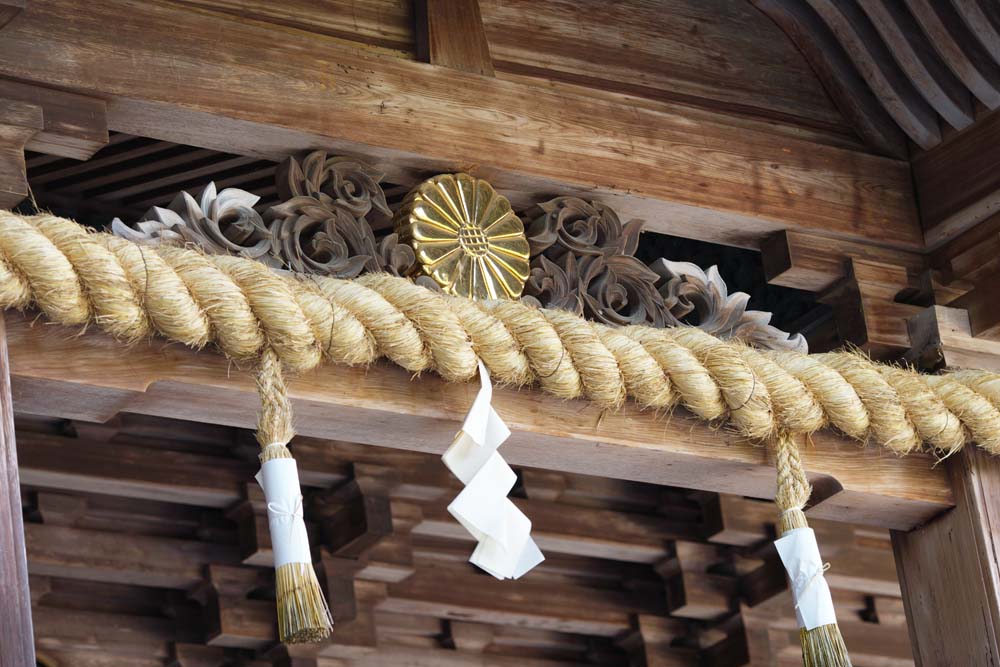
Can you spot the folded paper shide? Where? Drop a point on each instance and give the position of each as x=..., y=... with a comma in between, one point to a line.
x=505, y=548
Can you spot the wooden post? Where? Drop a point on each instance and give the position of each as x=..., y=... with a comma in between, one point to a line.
x=948, y=570
x=17, y=644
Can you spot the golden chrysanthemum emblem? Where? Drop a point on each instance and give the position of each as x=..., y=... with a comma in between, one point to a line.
x=466, y=237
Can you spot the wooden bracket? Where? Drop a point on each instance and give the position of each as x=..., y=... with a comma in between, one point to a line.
x=19, y=122
x=73, y=126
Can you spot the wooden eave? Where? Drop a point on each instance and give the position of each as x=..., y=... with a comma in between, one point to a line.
x=213, y=80
x=91, y=377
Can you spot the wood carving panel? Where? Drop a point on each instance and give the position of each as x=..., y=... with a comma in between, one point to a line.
x=582, y=258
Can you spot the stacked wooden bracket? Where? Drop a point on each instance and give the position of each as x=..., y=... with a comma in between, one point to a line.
x=146, y=544
x=936, y=306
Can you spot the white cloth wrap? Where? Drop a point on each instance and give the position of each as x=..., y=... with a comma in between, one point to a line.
x=800, y=555
x=505, y=547
x=289, y=540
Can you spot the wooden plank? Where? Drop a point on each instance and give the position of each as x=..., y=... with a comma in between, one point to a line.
x=104, y=556
x=74, y=126
x=738, y=61
x=815, y=263
x=83, y=465
x=450, y=34
x=949, y=570
x=381, y=23
x=16, y=646
x=19, y=121
x=958, y=183
x=88, y=377
x=692, y=172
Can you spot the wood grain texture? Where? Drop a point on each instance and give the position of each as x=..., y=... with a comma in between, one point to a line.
x=696, y=173
x=942, y=337
x=386, y=24
x=712, y=53
x=9, y=10
x=815, y=263
x=958, y=183
x=74, y=126
x=88, y=377
x=450, y=33
x=859, y=105
x=950, y=574
x=19, y=122
x=16, y=645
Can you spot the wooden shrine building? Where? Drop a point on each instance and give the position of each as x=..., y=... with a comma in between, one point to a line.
x=774, y=177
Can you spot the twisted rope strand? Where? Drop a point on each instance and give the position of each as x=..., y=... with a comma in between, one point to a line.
x=75, y=277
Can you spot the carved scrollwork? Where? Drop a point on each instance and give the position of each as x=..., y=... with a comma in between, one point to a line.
x=582, y=260
x=688, y=290
x=218, y=222
x=322, y=227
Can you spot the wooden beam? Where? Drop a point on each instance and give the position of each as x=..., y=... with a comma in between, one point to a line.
x=101, y=556
x=74, y=126
x=450, y=33
x=816, y=263
x=87, y=376
x=9, y=9
x=169, y=73
x=949, y=570
x=19, y=122
x=16, y=645
x=958, y=182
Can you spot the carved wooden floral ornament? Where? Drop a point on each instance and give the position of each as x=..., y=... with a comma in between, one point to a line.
x=466, y=237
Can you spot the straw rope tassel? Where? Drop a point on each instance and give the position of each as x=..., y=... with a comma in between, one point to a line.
x=822, y=646
x=303, y=615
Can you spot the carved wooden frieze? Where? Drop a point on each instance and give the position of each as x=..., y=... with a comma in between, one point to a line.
x=321, y=226
x=569, y=253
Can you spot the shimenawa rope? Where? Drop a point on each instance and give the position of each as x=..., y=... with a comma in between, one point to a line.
x=250, y=312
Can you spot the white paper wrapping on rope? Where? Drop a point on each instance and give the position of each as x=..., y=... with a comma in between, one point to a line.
x=280, y=480
x=503, y=532
x=800, y=555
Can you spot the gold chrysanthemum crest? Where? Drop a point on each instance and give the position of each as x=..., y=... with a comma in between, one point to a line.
x=466, y=237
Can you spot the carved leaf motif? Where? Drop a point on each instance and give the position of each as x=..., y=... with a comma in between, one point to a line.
x=321, y=226
x=687, y=289
x=218, y=222
x=582, y=260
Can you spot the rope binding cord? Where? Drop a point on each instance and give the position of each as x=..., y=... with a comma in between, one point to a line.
x=252, y=313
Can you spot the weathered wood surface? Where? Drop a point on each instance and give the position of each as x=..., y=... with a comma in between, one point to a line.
x=958, y=183
x=56, y=372
x=16, y=646
x=450, y=33
x=19, y=122
x=73, y=126
x=9, y=10
x=950, y=574
x=707, y=174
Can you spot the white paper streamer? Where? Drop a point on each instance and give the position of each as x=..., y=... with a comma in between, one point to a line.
x=505, y=547
x=289, y=540
x=800, y=555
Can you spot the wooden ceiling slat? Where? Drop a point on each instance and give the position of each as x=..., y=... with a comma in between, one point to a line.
x=170, y=180
x=163, y=190
x=137, y=147
x=136, y=171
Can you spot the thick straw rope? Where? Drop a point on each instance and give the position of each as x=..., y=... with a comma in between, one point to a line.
x=132, y=292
